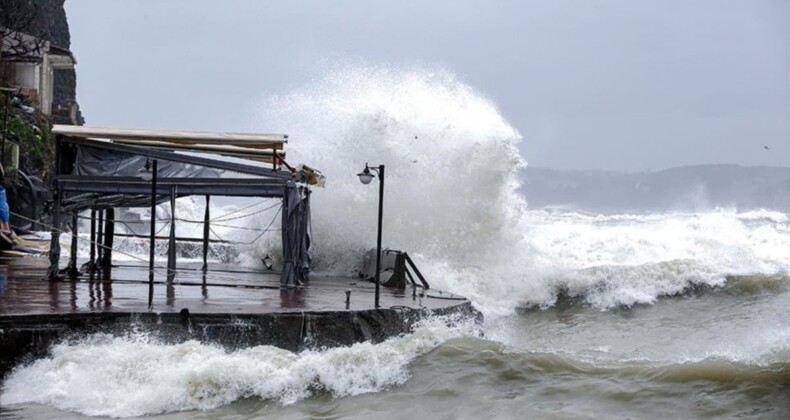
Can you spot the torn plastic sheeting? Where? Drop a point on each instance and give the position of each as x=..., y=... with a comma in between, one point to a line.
x=97, y=162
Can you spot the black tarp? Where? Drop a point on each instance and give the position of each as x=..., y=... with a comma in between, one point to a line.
x=89, y=161
x=29, y=198
x=296, y=232
x=98, y=162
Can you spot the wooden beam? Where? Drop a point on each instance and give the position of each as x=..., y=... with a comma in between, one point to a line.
x=257, y=155
x=240, y=150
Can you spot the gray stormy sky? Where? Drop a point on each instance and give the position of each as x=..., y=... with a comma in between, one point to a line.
x=616, y=84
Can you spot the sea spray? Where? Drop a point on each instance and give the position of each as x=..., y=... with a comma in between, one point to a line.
x=452, y=161
x=451, y=201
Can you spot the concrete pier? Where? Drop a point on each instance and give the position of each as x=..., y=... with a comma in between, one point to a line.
x=226, y=305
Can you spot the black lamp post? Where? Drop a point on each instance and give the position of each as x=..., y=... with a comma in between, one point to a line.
x=149, y=174
x=365, y=177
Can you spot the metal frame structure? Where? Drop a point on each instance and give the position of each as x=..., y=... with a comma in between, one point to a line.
x=75, y=191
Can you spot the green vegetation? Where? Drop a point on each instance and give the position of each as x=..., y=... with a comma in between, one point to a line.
x=33, y=137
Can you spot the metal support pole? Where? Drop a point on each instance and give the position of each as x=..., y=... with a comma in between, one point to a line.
x=72, y=268
x=378, y=242
x=109, y=234
x=100, y=239
x=171, y=243
x=287, y=276
x=92, y=262
x=57, y=188
x=153, y=239
x=206, y=229
x=54, y=247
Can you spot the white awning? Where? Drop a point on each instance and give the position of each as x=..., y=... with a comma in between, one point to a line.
x=245, y=140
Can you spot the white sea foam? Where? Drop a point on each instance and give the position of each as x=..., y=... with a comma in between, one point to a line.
x=136, y=375
x=629, y=259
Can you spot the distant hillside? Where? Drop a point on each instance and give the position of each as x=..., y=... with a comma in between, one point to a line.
x=686, y=188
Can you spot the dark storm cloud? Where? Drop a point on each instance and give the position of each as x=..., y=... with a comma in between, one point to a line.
x=590, y=84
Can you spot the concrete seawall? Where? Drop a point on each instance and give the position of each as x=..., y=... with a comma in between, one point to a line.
x=250, y=311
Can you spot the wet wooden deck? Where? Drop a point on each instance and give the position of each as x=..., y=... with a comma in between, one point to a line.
x=230, y=306
x=223, y=290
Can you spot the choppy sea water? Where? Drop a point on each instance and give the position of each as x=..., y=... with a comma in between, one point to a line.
x=719, y=352
x=586, y=315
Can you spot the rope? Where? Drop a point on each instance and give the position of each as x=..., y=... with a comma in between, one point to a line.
x=222, y=218
x=63, y=232
x=245, y=208
x=161, y=229
x=158, y=272
x=228, y=219
x=240, y=227
x=263, y=231
x=125, y=223
x=120, y=220
x=270, y=225
x=162, y=269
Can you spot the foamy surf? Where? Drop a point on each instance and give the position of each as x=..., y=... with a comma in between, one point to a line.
x=137, y=375
x=614, y=260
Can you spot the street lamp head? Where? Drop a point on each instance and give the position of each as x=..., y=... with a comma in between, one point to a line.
x=145, y=172
x=365, y=176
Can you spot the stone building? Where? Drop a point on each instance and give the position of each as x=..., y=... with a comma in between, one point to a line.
x=41, y=29
x=31, y=66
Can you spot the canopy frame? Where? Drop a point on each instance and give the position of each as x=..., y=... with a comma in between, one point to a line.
x=80, y=183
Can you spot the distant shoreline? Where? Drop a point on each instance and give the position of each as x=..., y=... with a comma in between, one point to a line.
x=683, y=188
